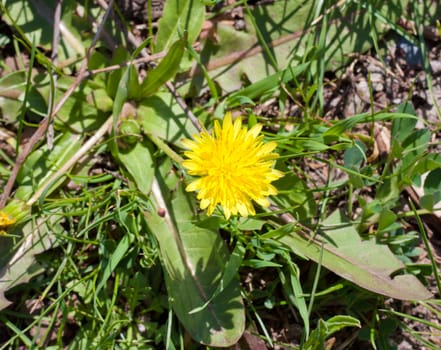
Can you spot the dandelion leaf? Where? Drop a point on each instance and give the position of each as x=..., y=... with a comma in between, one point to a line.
x=17, y=262
x=160, y=116
x=364, y=262
x=194, y=258
x=35, y=19
x=137, y=160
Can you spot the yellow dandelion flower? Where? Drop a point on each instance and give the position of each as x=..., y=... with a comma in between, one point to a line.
x=5, y=222
x=234, y=166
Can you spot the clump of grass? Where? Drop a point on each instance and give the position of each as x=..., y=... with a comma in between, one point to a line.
x=102, y=247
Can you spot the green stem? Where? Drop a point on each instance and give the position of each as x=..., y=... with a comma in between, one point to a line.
x=165, y=148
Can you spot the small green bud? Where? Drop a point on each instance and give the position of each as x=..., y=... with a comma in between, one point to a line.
x=130, y=131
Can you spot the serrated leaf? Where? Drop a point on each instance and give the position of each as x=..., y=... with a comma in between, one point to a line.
x=194, y=260
x=363, y=262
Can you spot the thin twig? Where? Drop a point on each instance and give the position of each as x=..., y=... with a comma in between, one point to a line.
x=138, y=61
x=71, y=162
x=194, y=120
x=39, y=133
x=54, y=59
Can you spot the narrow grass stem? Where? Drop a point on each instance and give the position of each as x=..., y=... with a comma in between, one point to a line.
x=428, y=248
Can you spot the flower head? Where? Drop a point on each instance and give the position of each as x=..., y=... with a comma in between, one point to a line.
x=5, y=221
x=234, y=167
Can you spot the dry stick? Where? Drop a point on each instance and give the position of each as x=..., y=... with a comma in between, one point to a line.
x=39, y=133
x=14, y=94
x=71, y=162
x=54, y=59
x=327, y=12
x=194, y=120
x=153, y=57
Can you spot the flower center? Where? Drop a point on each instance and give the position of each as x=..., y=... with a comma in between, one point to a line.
x=224, y=169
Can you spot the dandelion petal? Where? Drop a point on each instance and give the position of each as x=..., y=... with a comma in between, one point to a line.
x=235, y=168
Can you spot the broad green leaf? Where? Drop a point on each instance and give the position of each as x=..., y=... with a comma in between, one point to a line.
x=429, y=162
x=121, y=95
x=12, y=87
x=363, y=262
x=100, y=100
x=17, y=262
x=247, y=224
x=230, y=274
x=415, y=145
x=294, y=194
x=354, y=156
x=432, y=183
x=326, y=328
x=179, y=17
x=41, y=164
x=112, y=256
x=120, y=55
x=83, y=111
x=371, y=213
x=389, y=190
x=194, y=260
x=266, y=85
x=432, y=190
x=353, y=159
x=160, y=116
x=414, y=148
x=79, y=113
x=137, y=159
x=402, y=127
x=428, y=201
x=35, y=20
x=165, y=70
x=387, y=218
